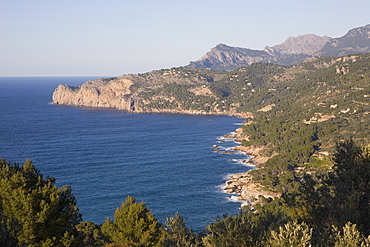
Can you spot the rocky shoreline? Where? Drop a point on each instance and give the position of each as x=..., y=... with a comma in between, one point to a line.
x=247, y=191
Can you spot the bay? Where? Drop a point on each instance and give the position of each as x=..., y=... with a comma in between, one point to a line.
x=165, y=160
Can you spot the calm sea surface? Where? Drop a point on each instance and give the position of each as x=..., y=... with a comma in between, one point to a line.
x=105, y=155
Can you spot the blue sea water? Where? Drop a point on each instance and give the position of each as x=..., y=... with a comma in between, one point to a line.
x=165, y=160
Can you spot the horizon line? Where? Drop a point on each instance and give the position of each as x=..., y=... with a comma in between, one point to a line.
x=56, y=76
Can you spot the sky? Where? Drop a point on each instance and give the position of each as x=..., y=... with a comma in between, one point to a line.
x=111, y=37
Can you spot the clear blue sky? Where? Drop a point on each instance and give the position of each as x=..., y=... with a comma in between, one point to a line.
x=111, y=37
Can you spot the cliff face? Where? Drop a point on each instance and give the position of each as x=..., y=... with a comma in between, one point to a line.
x=99, y=93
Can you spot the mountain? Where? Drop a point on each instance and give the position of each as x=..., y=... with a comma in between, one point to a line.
x=307, y=44
x=357, y=40
x=292, y=51
x=223, y=57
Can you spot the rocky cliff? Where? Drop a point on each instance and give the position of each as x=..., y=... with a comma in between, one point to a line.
x=99, y=93
x=177, y=90
x=292, y=51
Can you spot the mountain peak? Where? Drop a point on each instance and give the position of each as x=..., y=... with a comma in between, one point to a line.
x=224, y=57
x=221, y=45
x=292, y=51
x=307, y=44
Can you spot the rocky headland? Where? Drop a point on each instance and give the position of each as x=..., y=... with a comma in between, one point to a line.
x=98, y=93
x=177, y=90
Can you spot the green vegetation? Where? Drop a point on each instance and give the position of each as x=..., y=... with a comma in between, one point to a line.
x=291, y=234
x=324, y=89
x=329, y=208
x=134, y=224
x=33, y=211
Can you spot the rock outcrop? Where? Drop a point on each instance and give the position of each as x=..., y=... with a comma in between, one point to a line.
x=99, y=93
x=247, y=191
x=242, y=184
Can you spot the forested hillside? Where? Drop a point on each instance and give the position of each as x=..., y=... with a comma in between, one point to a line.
x=300, y=114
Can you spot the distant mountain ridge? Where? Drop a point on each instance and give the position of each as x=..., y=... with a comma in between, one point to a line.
x=292, y=51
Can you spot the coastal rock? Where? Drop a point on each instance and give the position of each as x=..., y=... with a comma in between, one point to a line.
x=242, y=184
x=99, y=93
x=246, y=190
x=216, y=148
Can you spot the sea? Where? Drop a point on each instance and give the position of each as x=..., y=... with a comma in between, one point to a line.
x=165, y=160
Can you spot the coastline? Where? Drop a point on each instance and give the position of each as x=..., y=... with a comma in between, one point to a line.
x=247, y=191
x=241, y=115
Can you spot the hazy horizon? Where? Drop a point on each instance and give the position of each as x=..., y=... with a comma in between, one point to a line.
x=111, y=38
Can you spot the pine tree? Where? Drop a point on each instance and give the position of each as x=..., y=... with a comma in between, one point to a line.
x=33, y=210
x=133, y=224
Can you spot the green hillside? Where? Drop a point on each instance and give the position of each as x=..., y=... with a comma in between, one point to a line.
x=299, y=112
